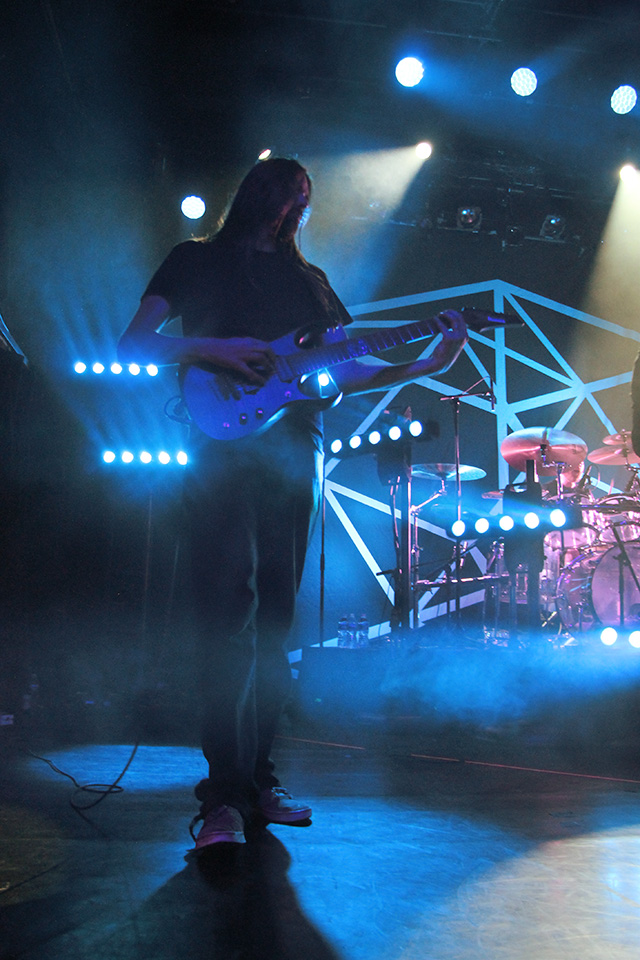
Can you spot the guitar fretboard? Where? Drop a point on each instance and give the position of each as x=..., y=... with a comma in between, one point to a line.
x=301, y=363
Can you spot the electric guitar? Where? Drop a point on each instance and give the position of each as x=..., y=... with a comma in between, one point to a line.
x=225, y=406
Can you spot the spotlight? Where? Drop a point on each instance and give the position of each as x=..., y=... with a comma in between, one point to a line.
x=152, y=370
x=409, y=72
x=182, y=458
x=558, y=517
x=264, y=154
x=145, y=457
x=415, y=428
x=98, y=368
x=193, y=207
x=634, y=639
x=116, y=368
x=609, y=636
x=469, y=218
x=164, y=457
x=458, y=528
x=482, y=525
x=628, y=173
x=506, y=523
x=623, y=99
x=395, y=433
x=127, y=457
x=80, y=367
x=355, y=442
x=336, y=446
x=108, y=456
x=424, y=150
x=531, y=520
x=134, y=369
x=523, y=81
x=553, y=227
x=375, y=437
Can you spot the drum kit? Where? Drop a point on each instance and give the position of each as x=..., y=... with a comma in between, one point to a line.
x=591, y=573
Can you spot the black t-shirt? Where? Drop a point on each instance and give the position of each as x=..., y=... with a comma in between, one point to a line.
x=218, y=294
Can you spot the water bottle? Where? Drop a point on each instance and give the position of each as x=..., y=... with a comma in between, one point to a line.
x=343, y=632
x=352, y=628
x=362, y=632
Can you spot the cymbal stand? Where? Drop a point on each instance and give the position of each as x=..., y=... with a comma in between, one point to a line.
x=457, y=553
x=623, y=561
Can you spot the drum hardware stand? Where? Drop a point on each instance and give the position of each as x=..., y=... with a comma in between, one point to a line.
x=623, y=561
x=525, y=554
x=457, y=554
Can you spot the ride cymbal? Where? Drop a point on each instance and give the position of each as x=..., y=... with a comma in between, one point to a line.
x=546, y=446
x=446, y=471
x=613, y=456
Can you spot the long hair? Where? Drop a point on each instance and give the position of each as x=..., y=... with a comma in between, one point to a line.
x=266, y=188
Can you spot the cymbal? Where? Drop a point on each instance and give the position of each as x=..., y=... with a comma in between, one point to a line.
x=446, y=471
x=613, y=456
x=621, y=439
x=546, y=446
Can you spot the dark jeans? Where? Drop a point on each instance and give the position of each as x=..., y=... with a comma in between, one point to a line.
x=250, y=505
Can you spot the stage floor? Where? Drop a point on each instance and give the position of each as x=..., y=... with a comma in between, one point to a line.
x=456, y=842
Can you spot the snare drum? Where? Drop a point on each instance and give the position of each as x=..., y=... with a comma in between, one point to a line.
x=590, y=592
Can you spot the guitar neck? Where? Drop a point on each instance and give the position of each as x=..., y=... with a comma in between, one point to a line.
x=305, y=362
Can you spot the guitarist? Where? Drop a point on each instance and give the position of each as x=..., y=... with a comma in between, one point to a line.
x=250, y=502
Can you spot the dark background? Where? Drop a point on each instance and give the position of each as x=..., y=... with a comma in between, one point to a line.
x=111, y=111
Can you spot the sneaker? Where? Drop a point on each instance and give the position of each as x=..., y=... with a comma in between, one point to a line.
x=278, y=806
x=222, y=825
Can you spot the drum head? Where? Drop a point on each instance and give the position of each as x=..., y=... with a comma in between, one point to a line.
x=616, y=598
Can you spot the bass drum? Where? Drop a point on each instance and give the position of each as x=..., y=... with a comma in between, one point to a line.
x=590, y=593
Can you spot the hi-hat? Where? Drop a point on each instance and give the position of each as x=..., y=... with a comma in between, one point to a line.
x=613, y=456
x=546, y=446
x=446, y=471
x=622, y=439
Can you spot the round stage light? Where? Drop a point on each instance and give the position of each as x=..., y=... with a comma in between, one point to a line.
x=134, y=369
x=623, y=99
x=506, y=523
x=375, y=437
x=424, y=150
x=482, y=525
x=458, y=528
x=336, y=446
x=634, y=639
x=127, y=457
x=98, y=368
x=108, y=456
x=182, y=458
x=395, y=433
x=523, y=81
x=409, y=71
x=116, y=368
x=531, y=520
x=415, y=428
x=164, y=457
x=152, y=370
x=628, y=173
x=355, y=442
x=80, y=367
x=609, y=636
x=557, y=517
x=193, y=207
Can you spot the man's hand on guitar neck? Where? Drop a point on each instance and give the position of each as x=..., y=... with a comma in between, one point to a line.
x=355, y=377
